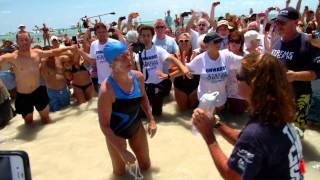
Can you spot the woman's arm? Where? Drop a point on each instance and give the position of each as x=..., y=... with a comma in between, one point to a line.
x=204, y=126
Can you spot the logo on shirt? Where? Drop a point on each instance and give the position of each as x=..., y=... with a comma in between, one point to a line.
x=246, y=157
x=282, y=55
x=295, y=152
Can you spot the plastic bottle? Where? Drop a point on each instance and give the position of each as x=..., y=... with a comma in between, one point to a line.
x=207, y=104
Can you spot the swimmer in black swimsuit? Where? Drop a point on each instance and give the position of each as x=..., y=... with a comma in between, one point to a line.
x=121, y=98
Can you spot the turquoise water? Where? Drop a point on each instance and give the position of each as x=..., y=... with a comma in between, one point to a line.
x=57, y=32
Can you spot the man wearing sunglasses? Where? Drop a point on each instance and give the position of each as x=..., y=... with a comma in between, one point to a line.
x=294, y=50
x=166, y=42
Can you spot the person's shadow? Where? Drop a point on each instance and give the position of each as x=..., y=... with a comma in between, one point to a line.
x=29, y=132
x=147, y=175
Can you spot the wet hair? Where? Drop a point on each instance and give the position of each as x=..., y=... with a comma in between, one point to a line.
x=37, y=47
x=272, y=100
x=146, y=28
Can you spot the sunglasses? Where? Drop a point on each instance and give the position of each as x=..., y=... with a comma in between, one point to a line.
x=241, y=78
x=160, y=27
x=186, y=40
x=202, y=25
x=282, y=23
x=237, y=41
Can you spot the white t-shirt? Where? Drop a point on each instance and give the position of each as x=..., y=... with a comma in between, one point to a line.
x=214, y=73
x=153, y=59
x=194, y=39
x=96, y=52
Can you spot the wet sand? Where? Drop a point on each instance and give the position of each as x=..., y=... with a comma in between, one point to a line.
x=73, y=146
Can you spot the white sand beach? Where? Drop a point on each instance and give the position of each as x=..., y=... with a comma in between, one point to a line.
x=73, y=147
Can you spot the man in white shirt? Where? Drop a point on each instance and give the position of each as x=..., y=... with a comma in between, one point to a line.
x=151, y=61
x=96, y=52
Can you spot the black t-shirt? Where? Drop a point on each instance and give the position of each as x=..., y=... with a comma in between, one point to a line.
x=298, y=55
x=267, y=152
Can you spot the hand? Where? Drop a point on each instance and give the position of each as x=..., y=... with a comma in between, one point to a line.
x=205, y=15
x=162, y=75
x=152, y=128
x=203, y=124
x=133, y=15
x=291, y=76
x=187, y=73
x=215, y=4
x=128, y=157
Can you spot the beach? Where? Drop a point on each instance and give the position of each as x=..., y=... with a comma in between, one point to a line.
x=73, y=146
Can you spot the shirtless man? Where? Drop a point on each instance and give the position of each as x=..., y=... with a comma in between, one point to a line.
x=25, y=62
x=52, y=72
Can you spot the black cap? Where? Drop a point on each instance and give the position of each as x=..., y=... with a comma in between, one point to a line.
x=288, y=14
x=212, y=36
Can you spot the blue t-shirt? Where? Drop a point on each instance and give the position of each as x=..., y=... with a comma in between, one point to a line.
x=267, y=152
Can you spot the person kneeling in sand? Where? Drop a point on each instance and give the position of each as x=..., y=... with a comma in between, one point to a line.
x=26, y=62
x=122, y=95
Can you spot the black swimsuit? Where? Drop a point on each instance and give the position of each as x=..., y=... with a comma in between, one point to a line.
x=74, y=69
x=186, y=85
x=125, y=120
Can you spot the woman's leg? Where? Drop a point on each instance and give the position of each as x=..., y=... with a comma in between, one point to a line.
x=119, y=168
x=139, y=145
x=89, y=92
x=181, y=99
x=79, y=95
x=193, y=99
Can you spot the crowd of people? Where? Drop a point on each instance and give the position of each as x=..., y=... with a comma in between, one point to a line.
x=257, y=64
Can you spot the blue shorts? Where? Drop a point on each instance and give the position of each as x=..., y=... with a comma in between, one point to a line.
x=9, y=79
x=58, y=99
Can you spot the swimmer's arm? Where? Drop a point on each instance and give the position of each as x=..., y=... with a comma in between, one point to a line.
x=145, y=105
x=104, y=113
x=86, y=57
x=6, y=58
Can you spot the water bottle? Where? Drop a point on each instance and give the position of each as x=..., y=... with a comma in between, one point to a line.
x=207, y=104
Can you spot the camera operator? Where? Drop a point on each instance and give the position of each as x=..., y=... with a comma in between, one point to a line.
x=151, y=61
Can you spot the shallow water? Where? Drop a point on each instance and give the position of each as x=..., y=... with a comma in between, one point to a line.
x=73, y=147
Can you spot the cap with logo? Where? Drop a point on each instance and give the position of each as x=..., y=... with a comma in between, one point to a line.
x=288, y=14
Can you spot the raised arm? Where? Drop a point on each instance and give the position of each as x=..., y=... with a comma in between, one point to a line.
x=191, y=21
x=212, y=20
x=298, y=6
x=6, y=58
x=55, y=52
x=288, y=3
x=86, y=57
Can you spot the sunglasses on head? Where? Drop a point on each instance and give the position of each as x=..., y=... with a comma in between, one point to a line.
x=237, y=41
x=183, y=40
x=160, y=27
x=282, y=23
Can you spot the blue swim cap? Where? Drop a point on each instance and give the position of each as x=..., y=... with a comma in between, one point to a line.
x=114, y=49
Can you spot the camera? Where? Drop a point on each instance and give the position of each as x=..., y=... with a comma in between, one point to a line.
x=137, y=47
x=271, y=8
x=14, y=165
x=216, y=3
x=185, y=14
x=122, y=18
x=315, y=35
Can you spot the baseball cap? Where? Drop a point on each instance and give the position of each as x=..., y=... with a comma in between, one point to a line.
x=21, y=26
x=251, y=35
x=114, y=49
x=288, y=14
x=224, y=23
x=212, y=36
x=54, y=38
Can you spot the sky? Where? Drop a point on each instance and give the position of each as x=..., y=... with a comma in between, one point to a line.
x=64, y=13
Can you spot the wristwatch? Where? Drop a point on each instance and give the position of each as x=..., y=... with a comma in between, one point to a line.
x=217, y=125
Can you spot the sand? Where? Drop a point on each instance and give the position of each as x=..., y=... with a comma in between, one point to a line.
x=73, y=146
